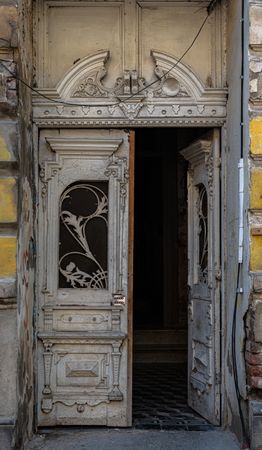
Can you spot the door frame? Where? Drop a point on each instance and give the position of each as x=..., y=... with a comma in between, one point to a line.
x=130, y=276
x=216, y=123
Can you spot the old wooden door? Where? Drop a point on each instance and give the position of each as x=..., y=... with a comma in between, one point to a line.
x=204, y=276
x=83, y=336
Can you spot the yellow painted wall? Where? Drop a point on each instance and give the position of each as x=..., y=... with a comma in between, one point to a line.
x=8, y=256
x=5, y=154
x=8, y=200
x=256, y=189
x=256, y=136
x=256, y=253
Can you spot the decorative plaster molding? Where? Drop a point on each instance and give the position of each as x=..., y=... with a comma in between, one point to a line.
x=176, y=93
x=91, y=147
x=150, y=122
x=197, y=152
x=256, y=47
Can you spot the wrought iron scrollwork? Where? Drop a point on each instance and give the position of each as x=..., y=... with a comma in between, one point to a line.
x=202, y=207
x=83, y=236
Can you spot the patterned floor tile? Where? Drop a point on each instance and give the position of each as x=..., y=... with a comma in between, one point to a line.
x=160, y=399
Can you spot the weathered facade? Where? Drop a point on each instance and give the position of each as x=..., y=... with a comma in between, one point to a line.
x=78, y=79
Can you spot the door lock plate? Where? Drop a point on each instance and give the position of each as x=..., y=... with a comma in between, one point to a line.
x=119, y=300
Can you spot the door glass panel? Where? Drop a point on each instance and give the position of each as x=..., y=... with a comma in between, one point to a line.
x=202, y=233
x=83, y=237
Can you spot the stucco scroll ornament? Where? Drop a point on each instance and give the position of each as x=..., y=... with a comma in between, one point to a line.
x=129, y=84
x=47, y=171
x=118, y=168
x=44, y=181
x=91, y=86
x=168, y=85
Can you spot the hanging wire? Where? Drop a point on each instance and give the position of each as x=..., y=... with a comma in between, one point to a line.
x=210, y=8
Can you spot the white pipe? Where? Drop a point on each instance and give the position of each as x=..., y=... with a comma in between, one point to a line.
x=241, y=210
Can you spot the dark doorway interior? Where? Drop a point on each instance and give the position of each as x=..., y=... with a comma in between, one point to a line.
x=160, y=281
x=160, y=233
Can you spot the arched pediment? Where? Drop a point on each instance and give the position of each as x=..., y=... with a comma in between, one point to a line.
x=169, y=68
x=173, y=90
x=91, y=67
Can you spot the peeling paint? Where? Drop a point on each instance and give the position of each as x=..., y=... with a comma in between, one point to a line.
x=8, y=256
x=8, y=200
x=256, y=189
x=5, y=154
x=256, y=135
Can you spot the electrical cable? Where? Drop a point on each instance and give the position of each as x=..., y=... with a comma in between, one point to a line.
x=246, y=443
x=234, y=365
x=210, y=8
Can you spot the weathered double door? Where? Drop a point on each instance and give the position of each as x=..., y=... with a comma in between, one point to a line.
x=85, y=274
x=83, y=368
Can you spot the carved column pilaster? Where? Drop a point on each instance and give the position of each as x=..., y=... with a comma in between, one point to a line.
x=116, y=317
x=116, y=394
x=47, y=400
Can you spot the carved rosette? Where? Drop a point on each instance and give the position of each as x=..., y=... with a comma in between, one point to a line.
x=168, y=85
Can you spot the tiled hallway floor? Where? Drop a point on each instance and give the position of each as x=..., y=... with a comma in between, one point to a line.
x=160, y=399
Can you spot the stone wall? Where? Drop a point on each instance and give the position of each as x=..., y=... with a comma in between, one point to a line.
x=8, y=218
x=16, y=208
x=26, y=240
x=254, y=317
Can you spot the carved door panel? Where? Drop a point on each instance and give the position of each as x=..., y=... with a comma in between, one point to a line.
x=204, y=276
x=83, y=278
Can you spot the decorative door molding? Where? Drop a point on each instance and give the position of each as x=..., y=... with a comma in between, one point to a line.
x=177, y=96
x=203, y=157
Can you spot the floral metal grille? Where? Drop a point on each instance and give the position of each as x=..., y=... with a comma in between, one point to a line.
x=84, y=236
x=202, y=233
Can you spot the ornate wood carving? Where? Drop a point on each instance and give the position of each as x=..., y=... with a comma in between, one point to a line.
x=116, y=394
x=82, y=328
x=47, y=392
x=203, y=257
